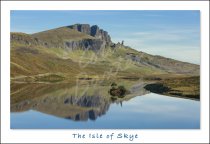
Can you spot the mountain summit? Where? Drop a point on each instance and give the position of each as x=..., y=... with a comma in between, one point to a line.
x=78, y=36
x=93, y=31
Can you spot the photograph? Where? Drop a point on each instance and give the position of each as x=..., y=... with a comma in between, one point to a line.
x=105, y=69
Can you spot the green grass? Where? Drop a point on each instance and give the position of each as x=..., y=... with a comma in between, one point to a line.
x=186, y=86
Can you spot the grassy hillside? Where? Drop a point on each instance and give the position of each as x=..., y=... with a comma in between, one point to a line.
x=30, y=60
x=59, y=35
x=33, y=61
x=179, y=86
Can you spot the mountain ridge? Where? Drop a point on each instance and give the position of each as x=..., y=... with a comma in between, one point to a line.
x=60, y=50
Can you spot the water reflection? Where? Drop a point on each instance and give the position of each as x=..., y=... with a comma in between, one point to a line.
x=78, y=103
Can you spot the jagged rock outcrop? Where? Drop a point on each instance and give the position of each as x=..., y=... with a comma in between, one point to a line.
x=99, y=33
x=84, y=28
x=94, y=31
x=86, y=44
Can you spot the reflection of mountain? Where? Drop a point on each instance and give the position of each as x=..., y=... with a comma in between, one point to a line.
x=71, y=102
x=95, y=105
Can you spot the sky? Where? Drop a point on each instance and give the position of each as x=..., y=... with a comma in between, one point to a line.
x=172, y=34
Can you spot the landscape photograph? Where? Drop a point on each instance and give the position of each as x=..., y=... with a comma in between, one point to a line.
x=104, y=69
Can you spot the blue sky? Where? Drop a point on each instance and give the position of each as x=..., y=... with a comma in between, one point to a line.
x=173, y=34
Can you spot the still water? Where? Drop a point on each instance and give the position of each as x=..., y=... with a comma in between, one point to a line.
x=146, y=111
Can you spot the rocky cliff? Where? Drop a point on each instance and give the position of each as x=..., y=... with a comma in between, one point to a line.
x=94, y=31
x=86, y=44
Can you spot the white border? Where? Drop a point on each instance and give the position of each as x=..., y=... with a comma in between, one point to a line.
x=64, y=136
